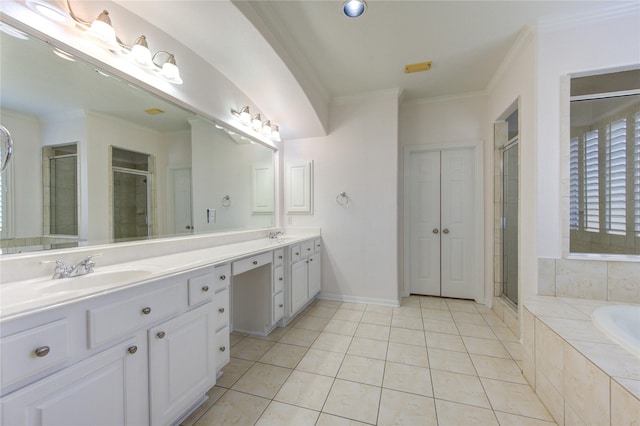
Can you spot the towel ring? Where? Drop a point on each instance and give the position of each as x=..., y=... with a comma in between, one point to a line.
x=342, y=199
x=226, y=201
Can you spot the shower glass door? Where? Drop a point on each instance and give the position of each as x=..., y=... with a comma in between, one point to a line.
x=130, y=205
x=510, y=222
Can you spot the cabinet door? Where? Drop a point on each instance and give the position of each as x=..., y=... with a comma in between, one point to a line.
x=315, y=283
x=107, y=389
x=299, y=285
x=181, y=363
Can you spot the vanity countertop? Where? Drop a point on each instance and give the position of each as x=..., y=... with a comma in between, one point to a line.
x=21, y=298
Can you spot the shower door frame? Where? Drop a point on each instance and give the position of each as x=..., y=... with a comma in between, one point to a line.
x=512, y=143
x=144, y=173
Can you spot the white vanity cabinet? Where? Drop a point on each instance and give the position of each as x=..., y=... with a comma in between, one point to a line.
x=306, y=265
x=142, y=355
x=181, y=363
x=222, y=277
x=277, y=289
x=106, y=388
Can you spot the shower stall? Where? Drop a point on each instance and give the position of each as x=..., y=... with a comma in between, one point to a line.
x=131, y=195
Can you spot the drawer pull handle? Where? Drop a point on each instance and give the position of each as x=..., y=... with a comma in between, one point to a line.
x=132, y=350
x=255, y=262
x=161, y=334
x=42, y=351
x=205, y=288
x=146, y=310
x=223, y=277
x=221, y=310
x=281, y=306
x=223, y=348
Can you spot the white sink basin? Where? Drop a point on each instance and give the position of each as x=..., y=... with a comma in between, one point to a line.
x=95, y=281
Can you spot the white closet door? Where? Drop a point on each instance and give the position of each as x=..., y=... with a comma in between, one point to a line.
x=440, y=203
x=425, y=222
x=457, y=224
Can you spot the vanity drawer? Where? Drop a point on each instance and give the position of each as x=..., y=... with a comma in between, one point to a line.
x=306, y=248
x=222, y=274
x=29, y=352
x=221, y=305
x=116, y=319
x=317, y=244
x=201, y=288
x=278, y=257
x=278, y=307
x=278, y=279
x=252, y=262
x=223, y=349
x=295, y=253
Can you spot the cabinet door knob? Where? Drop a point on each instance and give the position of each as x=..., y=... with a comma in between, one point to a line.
x=42, y=351
x=435, y=230
x=445, y=231
x=281, y=306
x=280, y=278
x=221, y=310
x=223, y=348
x=205, y=288
x=308, y=249
x=311, y=260
x=255, y=262
x=146, y=310
x=297, y=253
x=223, y=277
x=132, y=350
x=161, y=335
x=280, y=257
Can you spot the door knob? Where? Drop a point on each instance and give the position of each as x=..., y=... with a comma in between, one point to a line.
x=445, y=231
x=435, y=230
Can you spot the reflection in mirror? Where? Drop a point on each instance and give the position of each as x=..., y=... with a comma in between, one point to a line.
x=98, y=160
x=604, y=211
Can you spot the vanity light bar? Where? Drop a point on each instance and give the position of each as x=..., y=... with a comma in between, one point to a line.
x=263, y=128
x=104, y=35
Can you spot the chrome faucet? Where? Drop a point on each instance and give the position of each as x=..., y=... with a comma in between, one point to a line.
x=84, y=267
x=62, y=270
x=274, y=234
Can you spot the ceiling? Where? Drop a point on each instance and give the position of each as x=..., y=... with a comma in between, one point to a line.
x=293, y=58
x=465, y=40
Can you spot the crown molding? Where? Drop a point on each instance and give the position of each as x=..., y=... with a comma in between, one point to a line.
x=616, y=10
x=446, y=98
x=524, y=36
x=377, y=94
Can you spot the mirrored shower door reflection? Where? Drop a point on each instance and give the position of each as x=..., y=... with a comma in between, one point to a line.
x=130, y=204
x=510, y=222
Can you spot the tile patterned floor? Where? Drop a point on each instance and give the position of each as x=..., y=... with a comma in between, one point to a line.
x=431, y=361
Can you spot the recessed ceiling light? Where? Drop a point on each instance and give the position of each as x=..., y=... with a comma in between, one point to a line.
x=354, y=8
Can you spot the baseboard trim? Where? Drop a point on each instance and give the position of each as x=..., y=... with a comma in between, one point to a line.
x=355, y=299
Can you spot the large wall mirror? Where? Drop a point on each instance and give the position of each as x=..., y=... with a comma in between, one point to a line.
x=98, y=160
x=604, y=210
